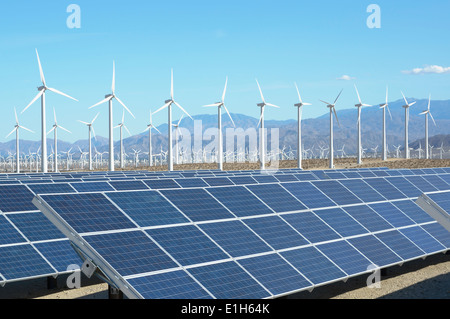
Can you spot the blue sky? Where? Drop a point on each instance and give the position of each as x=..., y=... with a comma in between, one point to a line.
x=278, y=42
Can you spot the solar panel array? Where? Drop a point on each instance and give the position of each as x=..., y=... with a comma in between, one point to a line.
x=250, y=236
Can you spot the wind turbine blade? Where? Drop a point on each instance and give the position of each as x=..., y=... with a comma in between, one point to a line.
x=162, y=107
x=429, y=102
x=171, y=84
x=156, y=129
x=261, y=117
x=404, y=98
x=432, y=119
x=182, y=109
x=93, y=133
x=423, y=113
x=64, y=129
x=359, y=98
x=123, y=116
x=113, y=86
x=54, y=115
x=102, y=101
x=335, y=115
x=387, y=92
x=268, y=104
x=126, y=128
x=234, y=125
x=180, y=120
x=86, y=123
x=325, y=102
x=40, y=68
x=338, y=97
x=215, y=104
x=298, y=93
x=389, y=111
x=225, y=89
x=34, y=100
x=61, y=93
x=11, y=132
x=27, y=129
x=118, y=100
x=95, y=118
x=260, y=92
x=412, y=103
x=51, y=130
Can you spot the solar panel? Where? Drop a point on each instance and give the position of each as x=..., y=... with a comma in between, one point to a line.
x=309, y=195
x=59, y=253
x=439, y=233
x=405, y=186
x=386, y=189
x=413, y=211
x=436, y=181
x=88, y=187
x=392, y=214
x=311, y=227
x=423, y=239
x=375, y=250
x=421, y=184
x=242, y=180
x=35, y=226
x=218, y=181
x=9, y=234
x=368, y=218
x=128, y=185
x=51, y=188
x=191, y=182
x=341, y=222
x=366, y=193
x=401, y=245
x=161, y=183
x=16, y=198
x=337, y=192
x=276, y=197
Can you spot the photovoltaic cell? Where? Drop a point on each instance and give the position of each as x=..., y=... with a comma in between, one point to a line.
x=341, y=222
x=276, y=197
x=35, y=226
x=305, y=177
x=437, y=182
x=405, y=186
x=400, y=244
x=386, y=189
x=413, y=211
x=368, y=218
x=161, y=183
x=147, y=208
x=276, y=232
x=169, y=285
x=313, y=265
x=88, y=212
x=16, y=198
x=441, y=199
x=229, y=281
x=218, y=181
x=421, y=184
x=422, y=239
x=375, y=250
x=392, y=214
x=128, y=185
x=362, y=190
x=51, y=188
x=130, y=252
x=242, y=180
x=197, y=204
x=8, y=234
x=275, y=274
x=265, y=179
x=439, y=232
x=60, y=254
x=309, y=195
x=337, y=192
x=92, y=187
x=286, y=178
x=235, y=238
x=187, y=244
x=311, y=227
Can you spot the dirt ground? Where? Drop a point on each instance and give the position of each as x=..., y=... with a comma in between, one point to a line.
x=419, y=279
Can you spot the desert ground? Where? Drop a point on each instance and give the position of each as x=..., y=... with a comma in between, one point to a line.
x=420, y=279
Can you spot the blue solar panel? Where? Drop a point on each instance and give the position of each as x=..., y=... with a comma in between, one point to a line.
x=218, y=181
x=191, y=182
x=309, y=195
x=306, y=177
x=197, y=204
x=335, y=175
x=368, y=218
x=8, y=234
x=22, y=261
x=276, y=232
x=337, y=192
x=169, y=285
x=345, y=256
x=286, y=178
x=147, y=208
x=275, y=274
x=35, y=226
x=265, y=179
x=392, y=214
x=187, y=244
x=88, y=212
x=401, y=245
x=421, y=184
x=405, y=186
x=422, y=239
x=235, y=238
x=128, y=185
x=341, y=222
x=386, y=189
x=375, y=250
x=437, y=182
x=413, y=211
x=51, y=188
x=311, y=227
x=130, y=252
x=16, y=198
x=439, y=232
x=92, y=187
x=442, y=200
x=229, y=281
x=60, y=254
x=366, y=193
x=161, y=183
x=313, y=265
x=240, y=201
x=242, y=180
x=276, y=197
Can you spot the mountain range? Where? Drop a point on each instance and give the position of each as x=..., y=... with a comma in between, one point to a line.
x=315, y=132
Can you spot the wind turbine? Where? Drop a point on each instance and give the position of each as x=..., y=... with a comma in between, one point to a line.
x=359, y=106
x=332, y=110
x=122, y=125
x=177, y=131
x=55, y=129
x=406, y=107
x=426, y=113
x=299, y=127
x=91, y=128
x=262, y=105
x=149, y=129
x=109, y=98
x=42, y=89
x=168, y=104
x=219, y=125
x=384, y=107
x=16, y=128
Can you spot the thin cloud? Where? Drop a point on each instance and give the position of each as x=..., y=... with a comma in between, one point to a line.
x=429, y=69
x=346, y=78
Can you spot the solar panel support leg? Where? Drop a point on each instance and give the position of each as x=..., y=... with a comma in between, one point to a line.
x=52, y=282
x=114, y=293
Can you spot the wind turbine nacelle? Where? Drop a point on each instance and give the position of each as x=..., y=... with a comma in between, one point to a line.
x=260, y=104
x=167, y=101
x=41, y=88
x=358, y=105
x=108, y=95
x=298, y=104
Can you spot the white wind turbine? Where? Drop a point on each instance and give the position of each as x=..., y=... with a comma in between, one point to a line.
x=149, y=129
x=55, y=129
x=384, y=107
x=359, y=106
x=299, y=127
x=16, y=128
x=406, y=107
x=168, y=104
x=219, y=125
x=122, y=125
x=109, y=98
x=332, y=110
x=177, y=132
x=91, y=129
x=426, y=113
x=262, y=152
x=42, y=89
